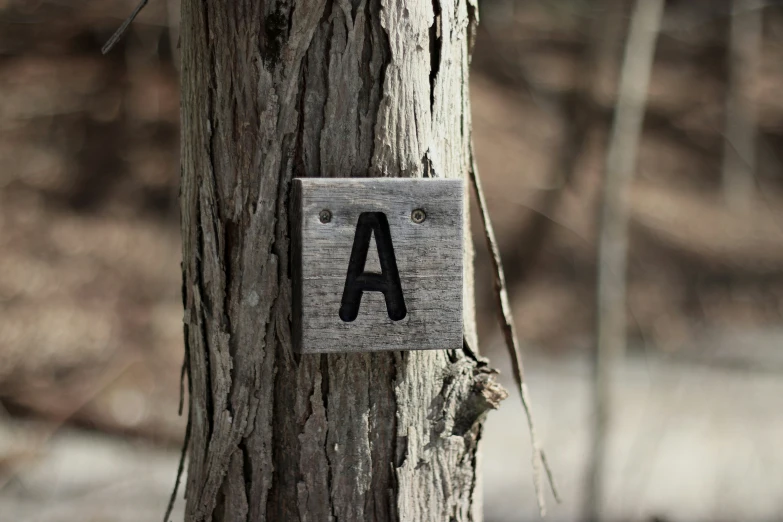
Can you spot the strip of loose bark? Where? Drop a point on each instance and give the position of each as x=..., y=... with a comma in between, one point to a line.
x=180, y=470
x=506, y=321
x=186, y=441
x=124, y=27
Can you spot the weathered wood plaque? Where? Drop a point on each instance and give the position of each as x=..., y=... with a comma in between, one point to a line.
x=377, y=264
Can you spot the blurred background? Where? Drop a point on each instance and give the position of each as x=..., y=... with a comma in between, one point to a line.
x=90, y=307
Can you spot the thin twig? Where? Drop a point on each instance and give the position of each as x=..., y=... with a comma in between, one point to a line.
x=124, y=27
x=512, y=343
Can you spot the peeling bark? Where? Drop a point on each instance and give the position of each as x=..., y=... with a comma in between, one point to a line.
x=276, y=90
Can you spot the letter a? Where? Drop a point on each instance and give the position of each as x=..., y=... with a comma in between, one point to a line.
x=358, y=281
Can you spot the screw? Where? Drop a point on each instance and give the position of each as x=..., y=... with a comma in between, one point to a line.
x=325, y=216
x=418, y=216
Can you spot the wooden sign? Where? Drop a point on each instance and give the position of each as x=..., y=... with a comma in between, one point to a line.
x=377, y=264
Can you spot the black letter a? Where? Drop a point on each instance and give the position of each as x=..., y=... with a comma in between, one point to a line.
x=357, y=281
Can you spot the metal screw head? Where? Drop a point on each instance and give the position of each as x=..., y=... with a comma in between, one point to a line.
x=418, y=216
x=324, y=216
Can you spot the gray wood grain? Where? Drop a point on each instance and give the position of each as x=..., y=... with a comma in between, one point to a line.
x=428, y=254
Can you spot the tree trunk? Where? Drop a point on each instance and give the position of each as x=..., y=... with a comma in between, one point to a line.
x=277, y=90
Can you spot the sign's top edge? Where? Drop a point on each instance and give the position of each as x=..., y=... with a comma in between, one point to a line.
x=384, y=180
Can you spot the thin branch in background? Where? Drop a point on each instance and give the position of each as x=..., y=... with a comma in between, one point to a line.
x=744, y=61
x=109, y=376
x=172, y=22
x=124, y=27
x=512, y=343
x=576, y=112
x=613, y=232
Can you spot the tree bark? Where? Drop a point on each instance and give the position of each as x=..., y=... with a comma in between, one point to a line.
x=276, y=90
